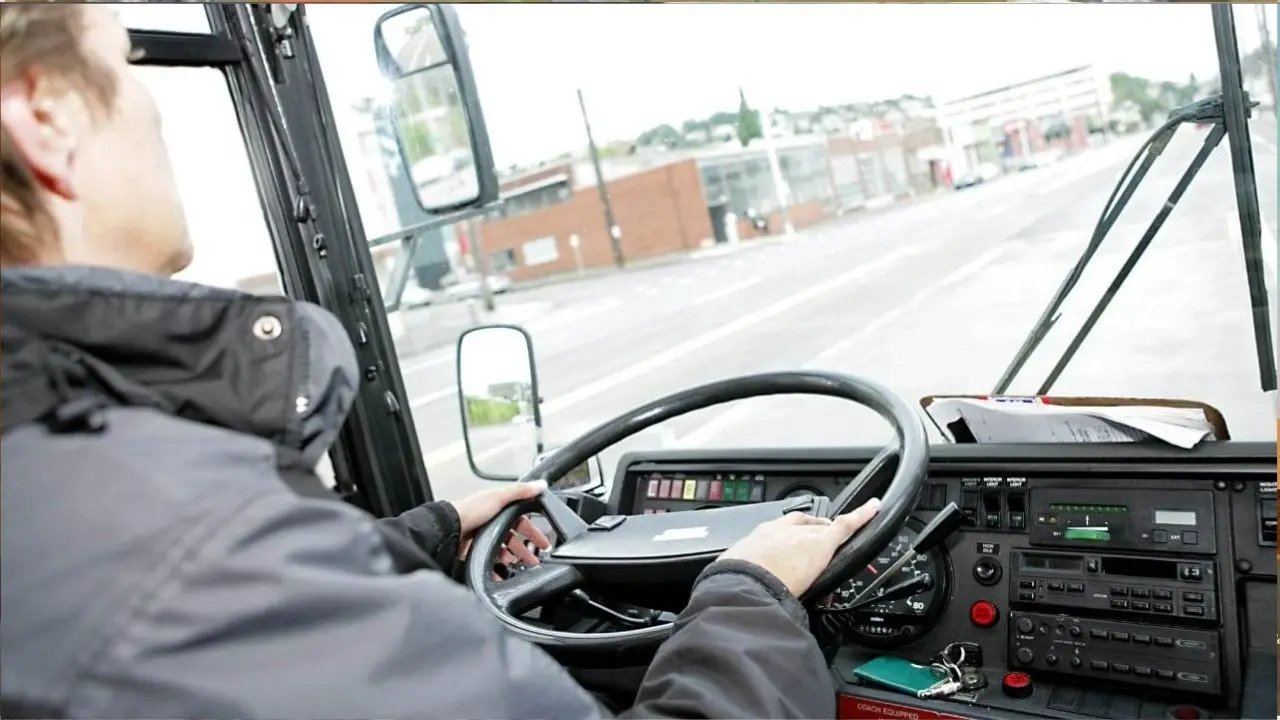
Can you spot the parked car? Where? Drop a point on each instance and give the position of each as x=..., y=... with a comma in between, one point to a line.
x=985, y=172
x=469, y=287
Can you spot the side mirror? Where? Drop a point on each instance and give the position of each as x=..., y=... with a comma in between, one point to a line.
x=498, y=399
x=434, y=108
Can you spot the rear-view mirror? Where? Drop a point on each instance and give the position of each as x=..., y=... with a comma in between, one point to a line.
x=433, y=106
x=498, y=399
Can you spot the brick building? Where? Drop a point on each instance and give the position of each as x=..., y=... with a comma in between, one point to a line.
x=659, y=210
x=663, y=203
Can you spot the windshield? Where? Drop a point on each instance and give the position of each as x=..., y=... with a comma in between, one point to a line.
x=891, y=191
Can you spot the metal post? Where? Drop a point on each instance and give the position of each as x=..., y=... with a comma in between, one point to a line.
x=611, y=225
x=481, y=264
x=780, y=188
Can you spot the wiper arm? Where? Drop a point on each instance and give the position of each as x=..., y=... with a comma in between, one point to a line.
x=1124, y=189
x=1215, y=136
x=1229, y=112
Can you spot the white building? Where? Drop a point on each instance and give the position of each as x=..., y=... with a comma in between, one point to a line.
x=1057, y=99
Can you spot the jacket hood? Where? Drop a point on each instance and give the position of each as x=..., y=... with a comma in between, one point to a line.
x=76, y=339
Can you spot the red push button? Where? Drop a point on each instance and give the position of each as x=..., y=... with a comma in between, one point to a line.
x=1018, y=685
x=984, y=614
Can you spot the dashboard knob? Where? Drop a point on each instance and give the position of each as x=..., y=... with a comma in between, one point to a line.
x=987, y=571
x=1076, y=661
x=1051, y=659
x=1025, y=626
x=1026, y=656
x=1074, y=630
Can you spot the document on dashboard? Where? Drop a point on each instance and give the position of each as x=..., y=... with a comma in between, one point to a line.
x=1035, y=420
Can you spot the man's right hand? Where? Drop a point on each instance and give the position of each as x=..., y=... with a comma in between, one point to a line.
x=796, y=548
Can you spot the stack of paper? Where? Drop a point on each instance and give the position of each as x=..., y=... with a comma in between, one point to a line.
x=1031, y=420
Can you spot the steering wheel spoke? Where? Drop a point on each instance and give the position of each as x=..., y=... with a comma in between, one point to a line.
x=569, y=526
x=533, y=586
x=855, y=493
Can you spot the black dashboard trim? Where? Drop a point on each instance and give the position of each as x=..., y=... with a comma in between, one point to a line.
x=1228, y=458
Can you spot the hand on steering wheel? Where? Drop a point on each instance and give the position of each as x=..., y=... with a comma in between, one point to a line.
x=672, y=548
x=477, y=509
x=796, y=548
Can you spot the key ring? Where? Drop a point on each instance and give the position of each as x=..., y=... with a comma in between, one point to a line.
x=946, y=654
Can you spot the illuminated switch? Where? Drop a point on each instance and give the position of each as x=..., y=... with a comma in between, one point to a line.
x=664, y=489
x=702, y=489
x=715, y=492
x=690, y=490
x=653, y=489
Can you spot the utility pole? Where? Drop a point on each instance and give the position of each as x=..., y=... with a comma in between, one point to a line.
x=1269, y=51
x=481, y=262
x=611, y=225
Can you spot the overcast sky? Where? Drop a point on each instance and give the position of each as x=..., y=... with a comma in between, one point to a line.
x=643, y=65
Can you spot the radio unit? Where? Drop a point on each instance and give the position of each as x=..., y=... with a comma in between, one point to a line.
x=1177, y=659
x=1148, y=520
x=1151, y=588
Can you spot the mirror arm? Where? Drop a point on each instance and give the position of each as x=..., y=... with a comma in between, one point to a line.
x=432, y=224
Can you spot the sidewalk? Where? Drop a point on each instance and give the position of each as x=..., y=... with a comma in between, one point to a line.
x=423, y=329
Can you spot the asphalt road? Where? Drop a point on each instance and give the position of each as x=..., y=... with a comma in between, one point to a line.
x=929, y=298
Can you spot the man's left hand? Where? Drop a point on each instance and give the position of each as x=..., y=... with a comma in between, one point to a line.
x=477, y=509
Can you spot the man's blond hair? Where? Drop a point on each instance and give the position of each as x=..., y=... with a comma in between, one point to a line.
x=43, y=38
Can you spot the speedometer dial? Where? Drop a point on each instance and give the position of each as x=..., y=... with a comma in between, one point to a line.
x=921, y=587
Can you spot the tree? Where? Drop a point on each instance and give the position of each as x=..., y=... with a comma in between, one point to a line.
x=748, y=121
x=663, y=135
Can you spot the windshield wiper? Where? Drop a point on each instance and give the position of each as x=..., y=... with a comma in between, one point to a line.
x=1229, y=111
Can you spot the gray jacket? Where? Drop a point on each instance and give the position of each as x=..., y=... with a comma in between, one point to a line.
x=156, y=562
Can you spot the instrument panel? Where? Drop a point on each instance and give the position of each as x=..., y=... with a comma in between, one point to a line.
x=1134, y=579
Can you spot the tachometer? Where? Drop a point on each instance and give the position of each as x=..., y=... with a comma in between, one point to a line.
x=903, y=608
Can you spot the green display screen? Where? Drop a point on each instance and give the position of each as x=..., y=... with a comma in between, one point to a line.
x=1095, y=509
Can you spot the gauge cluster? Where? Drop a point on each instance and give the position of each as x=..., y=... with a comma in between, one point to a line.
x=903, y=608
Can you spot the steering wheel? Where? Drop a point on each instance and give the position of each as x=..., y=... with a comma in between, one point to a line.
x=677, y=545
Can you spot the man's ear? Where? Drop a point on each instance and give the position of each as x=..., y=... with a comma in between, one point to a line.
x=41, y=128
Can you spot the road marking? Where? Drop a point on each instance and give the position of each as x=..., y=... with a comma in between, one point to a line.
x=687, y=348
x=433, y=396
x=725, y=292
x=572, y=315
x=743, y=322
x=911, y=304
x=424, y=363
x=994, y=211
x=700, y=436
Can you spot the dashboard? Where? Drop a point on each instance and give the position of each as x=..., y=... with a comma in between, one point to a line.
x=1116, y=581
